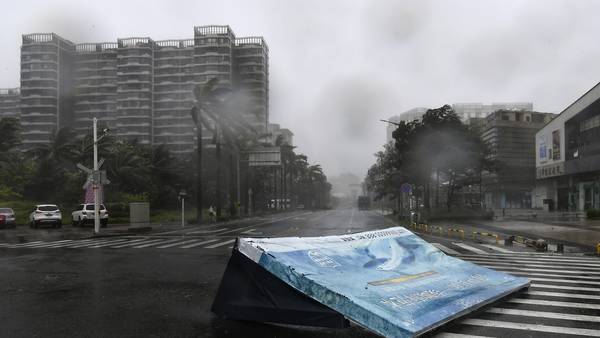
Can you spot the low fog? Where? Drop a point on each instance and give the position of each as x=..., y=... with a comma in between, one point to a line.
x=337, y=67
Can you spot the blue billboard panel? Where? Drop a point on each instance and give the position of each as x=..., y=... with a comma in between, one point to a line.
x=390, y=281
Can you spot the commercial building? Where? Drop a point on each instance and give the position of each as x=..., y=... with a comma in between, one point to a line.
x=140, y=88
x=9, y=102
x=568, y=157
x=467, y=112
x=281, y=136
x=510, y=135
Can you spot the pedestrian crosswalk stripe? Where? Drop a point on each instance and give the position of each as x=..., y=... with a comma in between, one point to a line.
x=207, y=232
x=496, y=248
x=532, y=327
x=595, y=266
x=147, y=241
x=20, y=245
x=164, y=241
x=445, y=249
x=560, y=287
x=43, y=244
x=178, y=243
x=566, y=272
x=105, y=244
x=544, y=314
x=457, y=335
x=554, y=303
x=74, y=243
x=220, y=244
x=138, y=241
x=592, y=267
x=469, y=248
x=562, y=295
x=198, y=244
x=533, y=258
x=542, y=274
x=81, y=245
x=538, y=255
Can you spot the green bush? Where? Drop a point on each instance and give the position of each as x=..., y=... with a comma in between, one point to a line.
x=593, y=213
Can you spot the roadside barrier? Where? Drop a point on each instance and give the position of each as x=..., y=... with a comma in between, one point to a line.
x=539, y=244
x=488, y=234
x=457, y=231
x=438, y=228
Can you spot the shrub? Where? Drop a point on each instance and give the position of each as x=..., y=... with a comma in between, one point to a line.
x=593, y=213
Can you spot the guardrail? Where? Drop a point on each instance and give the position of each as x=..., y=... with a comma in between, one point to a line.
x=488, y=234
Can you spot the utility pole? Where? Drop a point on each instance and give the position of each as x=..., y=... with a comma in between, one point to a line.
x=96, y=180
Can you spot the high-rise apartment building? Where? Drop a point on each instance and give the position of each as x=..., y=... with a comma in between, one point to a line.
x=9, y=102
x=140, y=88
x=46, y=86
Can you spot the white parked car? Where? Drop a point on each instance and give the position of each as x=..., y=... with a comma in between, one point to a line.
x=45, y=214
x=85, y=214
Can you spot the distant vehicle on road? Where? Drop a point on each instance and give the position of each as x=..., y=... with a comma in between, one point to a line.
x=45, y=214
x=7, y=218
x=85, y=214
x=364, y=203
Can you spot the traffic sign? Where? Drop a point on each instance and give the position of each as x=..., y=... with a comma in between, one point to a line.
x=406, y=187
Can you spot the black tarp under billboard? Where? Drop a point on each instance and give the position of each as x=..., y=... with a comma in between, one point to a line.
x=249, y=292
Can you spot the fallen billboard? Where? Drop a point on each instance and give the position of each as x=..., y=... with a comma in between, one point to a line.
x=389, y=281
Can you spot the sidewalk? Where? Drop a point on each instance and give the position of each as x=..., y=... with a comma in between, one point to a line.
x=587, y=236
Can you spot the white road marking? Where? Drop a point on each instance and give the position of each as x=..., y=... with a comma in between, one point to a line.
x=198, y=244
x=559, y=287
x=251, y=232
x=199, y=232
x=557, y=266
x=568, y=272
x=543, y=274
x=495, y=248
x=68, y=244
x=91, y=242
x=351, y=218
x=143, y=242
x=445, y=249
x=532, y=327
x=526, y=260
x=42, y=244
x=21, y=245
x=554, y=303
x=135, y=241
x=544, y=314
x=178, y=243
x=220, y=244
x=119, y=241
x=457, y=335
x=470, y=248
x=164, y=241
x=563, y=295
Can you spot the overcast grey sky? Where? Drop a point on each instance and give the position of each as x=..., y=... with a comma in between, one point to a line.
x=337, y=67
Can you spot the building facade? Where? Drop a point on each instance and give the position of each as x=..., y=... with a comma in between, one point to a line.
x=140, y=88
x=467, y=112
x=568, y=157
x=10, y=102
x=510, y=135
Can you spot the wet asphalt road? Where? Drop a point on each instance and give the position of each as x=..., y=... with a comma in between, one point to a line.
x=154, y=286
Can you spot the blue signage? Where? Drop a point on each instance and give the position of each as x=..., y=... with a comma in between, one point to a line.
x=390, y=281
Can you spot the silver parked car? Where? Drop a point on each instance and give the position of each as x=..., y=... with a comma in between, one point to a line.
x=7, y=218
x=45, y=214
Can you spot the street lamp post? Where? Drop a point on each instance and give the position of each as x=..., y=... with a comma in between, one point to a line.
x=182, y=195
x=95, y=180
